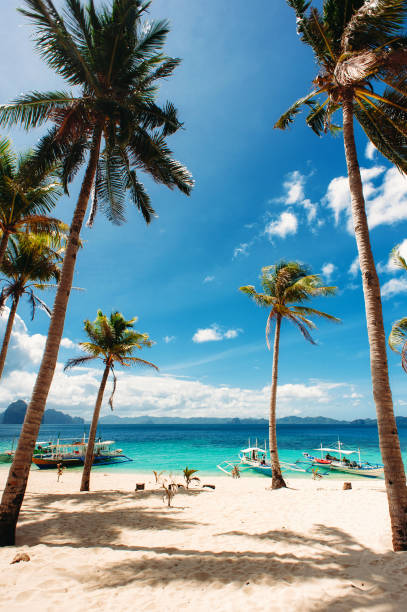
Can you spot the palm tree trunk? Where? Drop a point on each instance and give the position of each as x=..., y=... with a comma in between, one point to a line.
x=92, y=432
x=395, y=477
x=14, y=491
x=7, y=335
x=277, y=481
x=3, y=245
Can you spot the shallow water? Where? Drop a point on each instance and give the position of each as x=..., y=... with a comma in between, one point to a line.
x=202, y=447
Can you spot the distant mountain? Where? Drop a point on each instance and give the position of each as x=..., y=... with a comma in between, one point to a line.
x=15, y=413
x=111, y=419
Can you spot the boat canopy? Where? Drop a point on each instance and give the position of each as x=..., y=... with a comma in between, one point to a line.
x=253, y=448
x=336, y=450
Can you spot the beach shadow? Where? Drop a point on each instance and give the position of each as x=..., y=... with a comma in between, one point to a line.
x=330, y=554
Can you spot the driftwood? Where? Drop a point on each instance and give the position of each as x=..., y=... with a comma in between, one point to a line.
x=347, y=486
x=208, y=486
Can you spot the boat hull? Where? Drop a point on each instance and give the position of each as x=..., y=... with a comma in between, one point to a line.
x=369, y=472
x=6, y=457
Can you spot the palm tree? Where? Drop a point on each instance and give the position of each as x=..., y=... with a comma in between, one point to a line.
x=114, y=60
x=398, y=334
x=31, y=262
x=113, y=340
x=27, y=194
x=286, y=286
x=361, y=54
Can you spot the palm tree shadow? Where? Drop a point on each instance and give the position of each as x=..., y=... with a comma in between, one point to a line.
x=358, y=577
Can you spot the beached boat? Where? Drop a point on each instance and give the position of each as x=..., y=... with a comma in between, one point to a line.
x=6, y=456
x=344, y=463
x=254, y=458
x=72, y=454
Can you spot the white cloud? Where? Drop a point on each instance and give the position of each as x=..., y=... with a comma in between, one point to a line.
x=354, y=268
x=68, y=344
x=393, y=287
x=386, y=203
x=294, y=186
x=214, y=334
x=208, y=279
x=242, y=249
x=168, y=339
x=231, y=333
x=75, y=393
x=370, y=150
x=327, y=270
x=285, y=225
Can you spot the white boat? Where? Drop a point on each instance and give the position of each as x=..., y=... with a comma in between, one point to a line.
x=73, y=453
x=254, y=458
x=345, y=462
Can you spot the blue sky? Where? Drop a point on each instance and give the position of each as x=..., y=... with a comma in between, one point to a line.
x=261, y=195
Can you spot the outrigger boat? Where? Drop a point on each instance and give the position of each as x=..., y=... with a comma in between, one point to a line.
x=73, y=454
x=343, y=464
x=255, y=458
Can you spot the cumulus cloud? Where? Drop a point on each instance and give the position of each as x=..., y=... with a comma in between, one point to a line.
x=294, y=194
x=285, y=225
x=370, y=150
x=393, y=287
x=327, y=270
x=386, y=202
x=160, y=395
x=294, y=187
x=213, y=334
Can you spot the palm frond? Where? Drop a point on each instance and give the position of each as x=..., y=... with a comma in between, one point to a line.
x=303, y=310
x=288, y=117
x=77, y=361
x=375, y=23
x=33, y=109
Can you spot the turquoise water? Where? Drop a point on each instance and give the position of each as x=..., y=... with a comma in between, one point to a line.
x=172, y=447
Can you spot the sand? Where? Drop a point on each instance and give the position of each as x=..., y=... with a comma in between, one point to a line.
x=240, y=547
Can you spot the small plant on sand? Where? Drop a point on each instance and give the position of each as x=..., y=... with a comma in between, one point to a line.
x=316, y=474
x=60, y=470
x=157, y=476
x=170, y=491
x=235, y=472
x=189, y=477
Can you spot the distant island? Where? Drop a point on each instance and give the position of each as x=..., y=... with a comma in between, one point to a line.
x=15, y=413
x=111, y=419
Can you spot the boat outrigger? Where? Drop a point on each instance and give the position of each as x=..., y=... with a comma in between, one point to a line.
x=342, y=463
x=72, y=454
x=255, y=458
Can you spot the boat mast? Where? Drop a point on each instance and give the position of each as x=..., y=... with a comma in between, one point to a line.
x=339, y=448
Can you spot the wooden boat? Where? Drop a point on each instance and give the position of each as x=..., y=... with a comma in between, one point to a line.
x=342, y=463
x=254, y=458
x=72, y=454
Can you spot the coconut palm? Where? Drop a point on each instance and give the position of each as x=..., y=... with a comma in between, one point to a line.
x=114, y=60
x=286, y=286
x=27, y=194
x=361, y=54
x=113, y=340
x=30, y=262
x=398, y=340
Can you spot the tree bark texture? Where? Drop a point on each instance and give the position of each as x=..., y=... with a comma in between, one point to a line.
x=277, y=481
x=92, y=432
x=395, y=477
x=7, y=335
x=14, y=491
x=3, y=245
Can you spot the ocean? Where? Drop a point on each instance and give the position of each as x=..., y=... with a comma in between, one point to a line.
x=171, y=448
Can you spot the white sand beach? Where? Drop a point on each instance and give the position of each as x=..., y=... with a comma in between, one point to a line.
x=311, y=547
